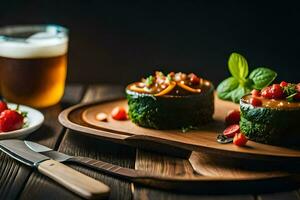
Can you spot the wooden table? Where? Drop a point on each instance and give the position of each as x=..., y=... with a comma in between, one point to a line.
x=18, y=181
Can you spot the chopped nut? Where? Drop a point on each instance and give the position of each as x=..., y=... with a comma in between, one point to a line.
x=101, y=117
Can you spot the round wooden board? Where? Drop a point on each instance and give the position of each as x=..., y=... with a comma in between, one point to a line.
x=82, y=118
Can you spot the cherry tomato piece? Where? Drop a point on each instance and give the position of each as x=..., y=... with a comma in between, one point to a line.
x=231, y=130
x=119, y=113
x=266, y=92
x=277, y=91
x=255, y=93
x=255, y=102
x=233, y=117
x=283, y=84
x=240, y=139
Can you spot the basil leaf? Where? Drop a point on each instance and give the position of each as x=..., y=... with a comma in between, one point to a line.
x=238, y=66
x=225, y=87
x=262, y=77
x=238, y=93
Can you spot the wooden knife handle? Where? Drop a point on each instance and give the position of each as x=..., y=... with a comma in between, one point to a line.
x=73, y=180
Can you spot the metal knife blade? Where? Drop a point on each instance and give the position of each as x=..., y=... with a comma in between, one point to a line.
x=55, y=155
x=73, y=180
x=176, y=183
x=19, y=151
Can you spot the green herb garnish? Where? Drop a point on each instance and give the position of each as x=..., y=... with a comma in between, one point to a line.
x=291, y=91
x=236, y=86
x=150, y=81
x=169, y=77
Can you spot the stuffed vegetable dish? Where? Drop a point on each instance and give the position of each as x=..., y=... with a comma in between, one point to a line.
x=172, y=101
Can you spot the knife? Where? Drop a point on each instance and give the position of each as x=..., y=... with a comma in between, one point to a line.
x=71, y=179
x=193, y=184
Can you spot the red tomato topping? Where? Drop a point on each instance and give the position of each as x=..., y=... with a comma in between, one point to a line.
x=231, y=130
x=283, y=84
x=233, y=117
x=10, y=120
x=255, y=102
x=277, y=91
x=273, y=92
x=119, y=113
x=266, y=92
x=255, y=93
x=240, y=139
x=194, y=79
x=3, y=106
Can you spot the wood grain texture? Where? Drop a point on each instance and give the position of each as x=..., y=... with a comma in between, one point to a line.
x=77, y=144
x=51, y=131
x=219, y=166
x=39, y=187
x=149, y=194
x=203, y=139
x=50, y=135
x=73, y=143
x=73, y=180
x=13, y=176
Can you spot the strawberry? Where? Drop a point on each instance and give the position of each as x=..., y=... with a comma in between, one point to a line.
x=3, y=106
x=10, y=120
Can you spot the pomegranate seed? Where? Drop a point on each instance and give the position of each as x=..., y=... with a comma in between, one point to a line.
x=255, y=102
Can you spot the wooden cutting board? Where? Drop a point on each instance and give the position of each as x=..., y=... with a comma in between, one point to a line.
x=82, y=118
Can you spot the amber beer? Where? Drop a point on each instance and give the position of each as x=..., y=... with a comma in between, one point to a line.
x=33, y=69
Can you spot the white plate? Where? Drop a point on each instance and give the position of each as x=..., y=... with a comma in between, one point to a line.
x=34, y=119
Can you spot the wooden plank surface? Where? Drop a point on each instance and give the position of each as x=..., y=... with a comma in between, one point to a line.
x=13, y=175
x=79, y=145
x=50, y=134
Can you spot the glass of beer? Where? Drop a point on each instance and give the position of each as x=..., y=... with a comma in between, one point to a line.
x=33, y=64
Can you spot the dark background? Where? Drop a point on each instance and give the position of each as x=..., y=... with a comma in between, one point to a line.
x=113, y=42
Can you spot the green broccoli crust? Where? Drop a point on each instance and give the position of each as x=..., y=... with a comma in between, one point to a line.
x=270, y=125
x=170, y=112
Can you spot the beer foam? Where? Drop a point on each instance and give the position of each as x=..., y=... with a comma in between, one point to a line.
x=36, y=46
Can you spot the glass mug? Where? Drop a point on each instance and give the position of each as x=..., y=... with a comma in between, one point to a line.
x=33, y=64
